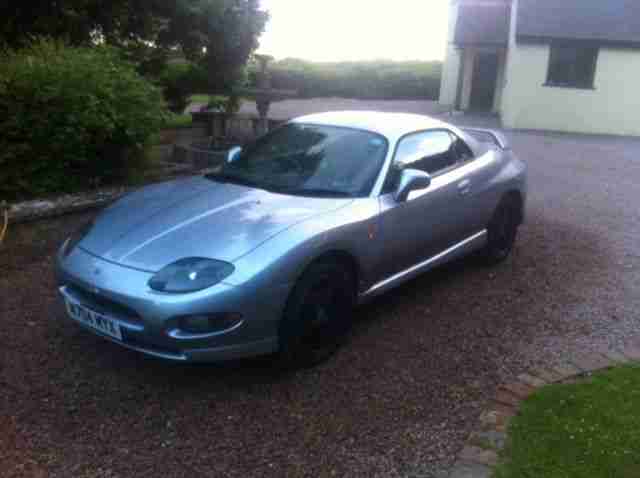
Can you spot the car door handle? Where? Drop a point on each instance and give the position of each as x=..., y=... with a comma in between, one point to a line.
x=464, y=187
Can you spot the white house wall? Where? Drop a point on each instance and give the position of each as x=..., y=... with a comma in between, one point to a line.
x=500, y=82
x=451, y=67
x=449, y=81
x=468, y=58
x=612, y=107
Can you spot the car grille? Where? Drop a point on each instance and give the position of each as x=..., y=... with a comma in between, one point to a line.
x=104, y=305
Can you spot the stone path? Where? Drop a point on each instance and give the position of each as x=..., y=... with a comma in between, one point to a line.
x=479, y=456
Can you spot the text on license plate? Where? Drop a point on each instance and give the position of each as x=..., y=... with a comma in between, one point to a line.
x=93, y=319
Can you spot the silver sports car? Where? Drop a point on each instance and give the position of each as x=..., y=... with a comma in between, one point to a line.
x=272, y=252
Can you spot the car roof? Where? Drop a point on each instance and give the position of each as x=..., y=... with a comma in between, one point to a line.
x=391, y=125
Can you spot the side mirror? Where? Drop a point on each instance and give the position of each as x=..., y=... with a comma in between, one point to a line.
x=411, y=180
x=233, y=154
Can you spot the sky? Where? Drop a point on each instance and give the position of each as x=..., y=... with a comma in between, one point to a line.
x=343, y=30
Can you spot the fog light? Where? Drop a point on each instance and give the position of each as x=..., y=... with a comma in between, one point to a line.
x=208, y=324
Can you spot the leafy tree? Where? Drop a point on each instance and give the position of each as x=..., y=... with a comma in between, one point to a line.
x=219, y=34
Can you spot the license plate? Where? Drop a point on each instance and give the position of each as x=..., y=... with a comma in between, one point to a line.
x=94, y=320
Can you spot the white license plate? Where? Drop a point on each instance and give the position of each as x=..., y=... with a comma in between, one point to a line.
x=93, y=319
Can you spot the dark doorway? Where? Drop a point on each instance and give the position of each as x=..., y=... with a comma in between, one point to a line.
x=485, y=76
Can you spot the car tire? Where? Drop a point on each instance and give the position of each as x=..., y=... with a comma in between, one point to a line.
x=502, y=232
x=318, y=315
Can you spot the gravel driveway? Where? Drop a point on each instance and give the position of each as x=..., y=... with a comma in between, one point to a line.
x=397, y=402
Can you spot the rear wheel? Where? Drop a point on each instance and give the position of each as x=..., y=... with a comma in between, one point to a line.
x=318, y=315
x=502, y=231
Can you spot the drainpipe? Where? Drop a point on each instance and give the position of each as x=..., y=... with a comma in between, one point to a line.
x=461, y=72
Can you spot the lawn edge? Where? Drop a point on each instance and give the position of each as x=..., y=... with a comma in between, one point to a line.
x=480, y=454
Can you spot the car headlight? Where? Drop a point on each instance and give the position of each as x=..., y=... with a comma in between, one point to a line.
x=75, y=238
x=190, y=275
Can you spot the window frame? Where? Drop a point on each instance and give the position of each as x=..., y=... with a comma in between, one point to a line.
x=387, y=185
x=593, y=67
x=473, y=156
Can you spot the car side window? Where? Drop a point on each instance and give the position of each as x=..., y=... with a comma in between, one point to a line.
x=461, y=149
x=433, y=152
x=429, y=151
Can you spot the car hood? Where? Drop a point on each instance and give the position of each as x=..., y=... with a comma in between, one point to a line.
x=195, y=217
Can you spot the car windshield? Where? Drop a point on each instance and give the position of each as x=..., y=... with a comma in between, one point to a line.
x=309, y=160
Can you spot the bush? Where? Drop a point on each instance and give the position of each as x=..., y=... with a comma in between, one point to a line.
x=71, y=118
x=178, y=81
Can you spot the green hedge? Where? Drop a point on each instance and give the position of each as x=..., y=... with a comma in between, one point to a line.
x=364, y=79
x=71, y=118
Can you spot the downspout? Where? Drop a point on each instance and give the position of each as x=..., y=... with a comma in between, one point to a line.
x=461, y=72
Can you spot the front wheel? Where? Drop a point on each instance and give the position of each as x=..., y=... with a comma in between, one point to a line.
x=502, y=232
x=318, y=315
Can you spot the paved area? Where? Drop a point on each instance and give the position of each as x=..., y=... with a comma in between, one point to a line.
x=399, y=401
x=291, y=108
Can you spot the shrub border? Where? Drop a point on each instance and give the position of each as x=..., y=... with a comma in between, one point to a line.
x=28, y=211
x=34, y=210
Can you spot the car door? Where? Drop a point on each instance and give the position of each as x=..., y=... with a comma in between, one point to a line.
x=428, y=222
x=476, y=183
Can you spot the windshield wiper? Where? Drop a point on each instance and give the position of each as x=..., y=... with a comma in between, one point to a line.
x=230, y=178
x=311, y=192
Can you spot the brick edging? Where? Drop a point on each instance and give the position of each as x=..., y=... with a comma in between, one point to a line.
x=479, y=456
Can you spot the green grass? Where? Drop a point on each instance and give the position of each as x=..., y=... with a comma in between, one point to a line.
x=178, y=121
x=201, y=99
x=589, y=429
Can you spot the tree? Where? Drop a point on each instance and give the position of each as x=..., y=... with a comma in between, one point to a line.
x=219, y=34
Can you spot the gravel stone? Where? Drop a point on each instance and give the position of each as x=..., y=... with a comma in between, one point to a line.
x=488, y=439
x=614, y=355
x=531, y=380
x=589, y=362
x=548, y=375
x=482, y=456
x=468, y=470
x=632, y=352
x=566, y=370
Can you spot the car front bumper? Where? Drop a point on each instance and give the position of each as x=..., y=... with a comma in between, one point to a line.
x=147, y=318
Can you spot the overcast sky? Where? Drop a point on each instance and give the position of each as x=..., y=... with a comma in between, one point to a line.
x=337, y=30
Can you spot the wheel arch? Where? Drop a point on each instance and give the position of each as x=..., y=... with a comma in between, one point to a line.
x=343, y=257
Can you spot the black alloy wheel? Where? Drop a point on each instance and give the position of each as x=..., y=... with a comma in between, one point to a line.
x=318, y=316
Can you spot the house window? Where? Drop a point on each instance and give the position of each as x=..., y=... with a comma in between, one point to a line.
x=572, y=66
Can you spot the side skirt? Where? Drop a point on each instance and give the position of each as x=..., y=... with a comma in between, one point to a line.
x=462, y=248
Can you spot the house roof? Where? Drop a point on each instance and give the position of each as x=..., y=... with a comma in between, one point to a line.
x=483, y=23
x=601, y=21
